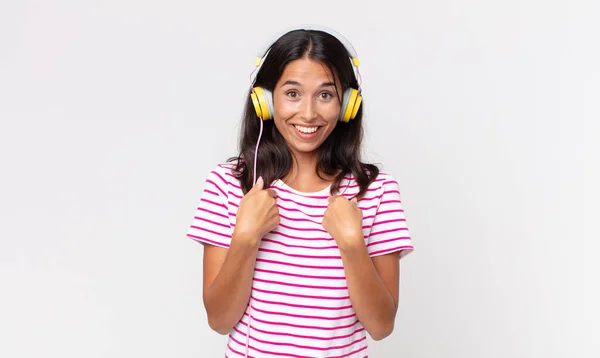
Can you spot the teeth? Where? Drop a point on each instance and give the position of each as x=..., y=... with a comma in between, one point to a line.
x=306, y=130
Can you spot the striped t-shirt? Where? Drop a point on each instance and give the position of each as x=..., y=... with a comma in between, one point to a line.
x=299, y=304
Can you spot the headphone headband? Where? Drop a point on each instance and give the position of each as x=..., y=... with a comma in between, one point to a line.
x=262, y=52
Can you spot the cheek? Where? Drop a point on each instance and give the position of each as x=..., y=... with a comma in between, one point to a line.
x=285, y=109
x=330, y=113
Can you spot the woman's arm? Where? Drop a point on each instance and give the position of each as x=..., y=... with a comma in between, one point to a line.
x=228, y=272
x=373, y=282
x=373, y=285
x=228, y=282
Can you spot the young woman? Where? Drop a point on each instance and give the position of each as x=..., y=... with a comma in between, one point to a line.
x=304, y=261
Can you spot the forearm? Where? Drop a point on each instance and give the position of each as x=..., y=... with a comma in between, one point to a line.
x=227, y=297
x=373, y=303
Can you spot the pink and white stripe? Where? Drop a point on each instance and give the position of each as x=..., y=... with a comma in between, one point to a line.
x=300, y=304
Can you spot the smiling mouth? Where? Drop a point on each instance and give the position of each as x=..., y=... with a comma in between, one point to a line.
x=306, y=130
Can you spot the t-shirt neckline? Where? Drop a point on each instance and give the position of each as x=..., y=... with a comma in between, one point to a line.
x=282, y=184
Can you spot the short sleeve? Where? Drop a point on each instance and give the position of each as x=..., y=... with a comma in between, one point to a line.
x=211, y=223
x=389, y=232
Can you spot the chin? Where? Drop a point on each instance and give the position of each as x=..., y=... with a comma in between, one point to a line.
x=305, y=149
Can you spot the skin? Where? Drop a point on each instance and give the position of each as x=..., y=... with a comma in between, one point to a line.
x=304, y=95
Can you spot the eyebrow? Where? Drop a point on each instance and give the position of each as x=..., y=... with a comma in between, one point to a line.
x=296, y=83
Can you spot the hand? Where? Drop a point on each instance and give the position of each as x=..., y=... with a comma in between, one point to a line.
x=343, y=221
x=257, y=214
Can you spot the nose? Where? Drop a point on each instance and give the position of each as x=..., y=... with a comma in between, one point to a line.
x=308, y=110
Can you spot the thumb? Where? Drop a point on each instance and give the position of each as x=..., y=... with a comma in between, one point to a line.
x=257, y=186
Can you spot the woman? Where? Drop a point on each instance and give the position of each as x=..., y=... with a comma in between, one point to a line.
x=302, y=261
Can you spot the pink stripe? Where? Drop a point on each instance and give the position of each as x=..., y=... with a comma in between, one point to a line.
x=301, y=346
x=238, y=353
x=300, y=296
x=214, y=203
x=302, y=316
x=297, y=219
x=267, y=352
x=388, y=221
x=214, y=213
x=387, y=231
x=211, y=192
x=235, y=195
x=303, y=196
x=310, y=229
x=356, y=331
x=304, y=326
x=210, y=221
x=333, y=257
x=298, y=265
x=229, y=165
x=388, y=240
x=235, y=185
x=302, y=306
x=211, y=231
x=303, y=238
x=299, y=246
x=351, y=353
x=371, y=198
x=298, y=210
x=216, y=186
x=390, y=202
x=303, y=204
x=194, y=237
x=223, y=179
x=391, y=250
x=368, y=207
x=302, y=229
x=298, y=285
x=390, y=211
x=299, y=275
x=356, y=185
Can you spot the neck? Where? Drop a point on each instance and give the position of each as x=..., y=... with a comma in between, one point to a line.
x=303, y=174
x=304, y=166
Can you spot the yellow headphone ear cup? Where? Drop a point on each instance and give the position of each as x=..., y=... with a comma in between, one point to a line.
x=350, y=104
x=356, y=106
x=263, y=103
x=256, y=105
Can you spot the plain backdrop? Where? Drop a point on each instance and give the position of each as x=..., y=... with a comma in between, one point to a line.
x=112, y=113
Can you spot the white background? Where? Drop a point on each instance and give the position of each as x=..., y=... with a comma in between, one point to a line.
x=112, y=113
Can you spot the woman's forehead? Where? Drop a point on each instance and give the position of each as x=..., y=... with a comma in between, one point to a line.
x=306, y=71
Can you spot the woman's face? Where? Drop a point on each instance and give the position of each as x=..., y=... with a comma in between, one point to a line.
x=306, y=105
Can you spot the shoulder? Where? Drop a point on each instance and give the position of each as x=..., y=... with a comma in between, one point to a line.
x=382, y=180
x=384, y=185
x=386, y=178
x=222, y=176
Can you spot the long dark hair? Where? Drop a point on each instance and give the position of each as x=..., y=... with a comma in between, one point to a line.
x=340, y=153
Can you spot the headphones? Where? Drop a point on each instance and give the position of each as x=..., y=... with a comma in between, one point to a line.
x=351, y=99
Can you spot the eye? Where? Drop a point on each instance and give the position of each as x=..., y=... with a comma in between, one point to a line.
x=326, y=95
x=292, y=94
